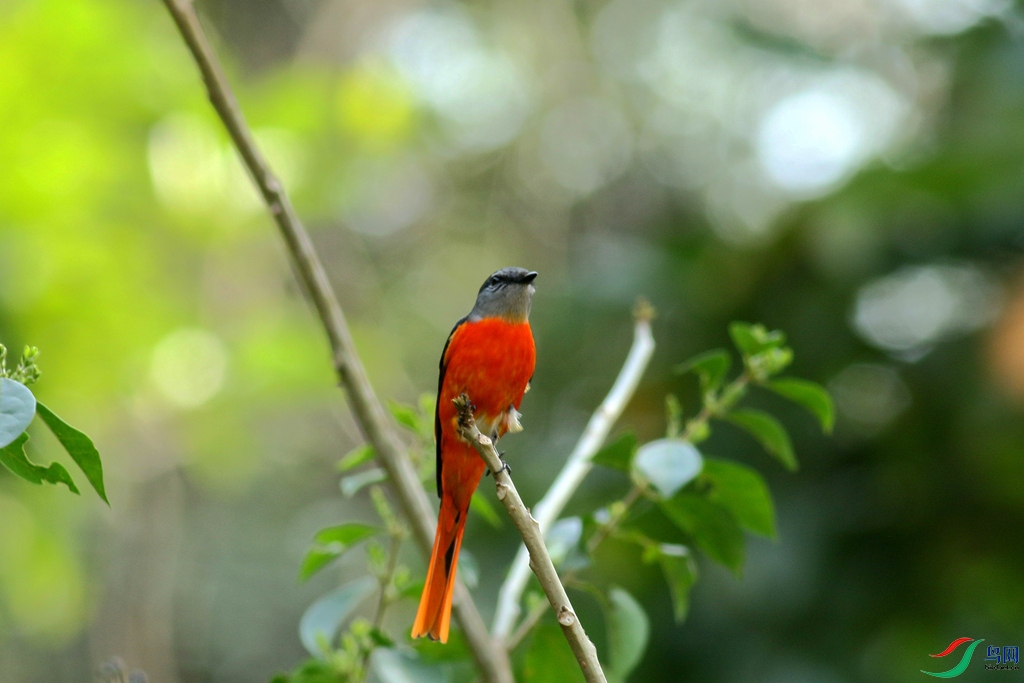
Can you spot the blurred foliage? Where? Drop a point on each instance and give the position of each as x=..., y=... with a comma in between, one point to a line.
x=846, y=171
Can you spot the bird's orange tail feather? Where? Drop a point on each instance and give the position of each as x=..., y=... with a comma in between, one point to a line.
x=435, y=611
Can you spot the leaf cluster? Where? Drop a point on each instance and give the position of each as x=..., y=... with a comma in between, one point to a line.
x=18, y=407
x=681, y=501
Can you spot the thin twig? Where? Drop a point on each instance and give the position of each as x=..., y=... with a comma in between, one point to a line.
x=526, y=625
x=608, y=528
x=576, y=467
x=372, y=419
x=384, y=580
x=540, y=560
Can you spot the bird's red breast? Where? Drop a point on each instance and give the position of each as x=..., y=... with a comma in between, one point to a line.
x=491, y=361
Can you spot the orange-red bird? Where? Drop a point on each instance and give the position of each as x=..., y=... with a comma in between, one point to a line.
x=490, y=357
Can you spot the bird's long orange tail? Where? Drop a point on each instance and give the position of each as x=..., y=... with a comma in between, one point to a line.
x=435, y=612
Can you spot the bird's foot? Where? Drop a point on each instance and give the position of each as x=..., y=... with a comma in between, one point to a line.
x=505, y=467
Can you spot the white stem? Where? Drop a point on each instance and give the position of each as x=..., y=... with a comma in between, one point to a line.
x=576, y=468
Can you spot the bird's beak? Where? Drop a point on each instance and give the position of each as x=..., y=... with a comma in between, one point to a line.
x=529, y=277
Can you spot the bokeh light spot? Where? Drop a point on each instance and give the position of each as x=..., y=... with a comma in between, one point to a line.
x=869, y=395
x=917, y=306
x=189, y=366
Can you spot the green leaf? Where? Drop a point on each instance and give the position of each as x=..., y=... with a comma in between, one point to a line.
x=753, y=339
x=407, y=416
x=331, y=543
x=668, y=464
x=811, y=396
x=323, y=619
x=741, y=491
x=628, y=633
x=380, y=638
x=79, y=447
x=345, y=535
x=353, y=484
x=356, y=457
x=13, y=457
x=315, y=560
x=17, y=407
x=549, y=658
x=680, y=573
x=710, y=366
x=713, y=529
x=769, y=432
x=483, y=507
x=618, y=454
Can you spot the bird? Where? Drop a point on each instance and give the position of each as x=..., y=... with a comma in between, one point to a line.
x=490, y=357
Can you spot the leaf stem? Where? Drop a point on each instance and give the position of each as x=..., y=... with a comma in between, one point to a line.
x=716, y=406
x=616, y=517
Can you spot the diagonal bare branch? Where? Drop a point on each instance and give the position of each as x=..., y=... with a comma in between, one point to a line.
x=540, y=560
x=577, y=466
x=490, y=658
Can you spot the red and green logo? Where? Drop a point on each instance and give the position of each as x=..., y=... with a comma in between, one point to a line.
x=964, y=661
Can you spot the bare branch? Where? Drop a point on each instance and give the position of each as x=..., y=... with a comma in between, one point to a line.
x=576, y=467
x=529, y=529
x=492, y=660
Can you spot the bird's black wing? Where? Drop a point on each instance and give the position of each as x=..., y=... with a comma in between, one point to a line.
x=443, y=367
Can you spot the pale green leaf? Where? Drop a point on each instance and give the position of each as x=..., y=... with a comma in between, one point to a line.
x=353, y=484
x=668, y=464
x=323, y=619
x=398, y=666
x=628, y=633
x=17, y=407
x=562, y=537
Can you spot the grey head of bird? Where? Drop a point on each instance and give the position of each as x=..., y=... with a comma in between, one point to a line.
x=506, y=294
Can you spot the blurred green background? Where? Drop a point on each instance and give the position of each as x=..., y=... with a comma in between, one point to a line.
x=850, y=171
